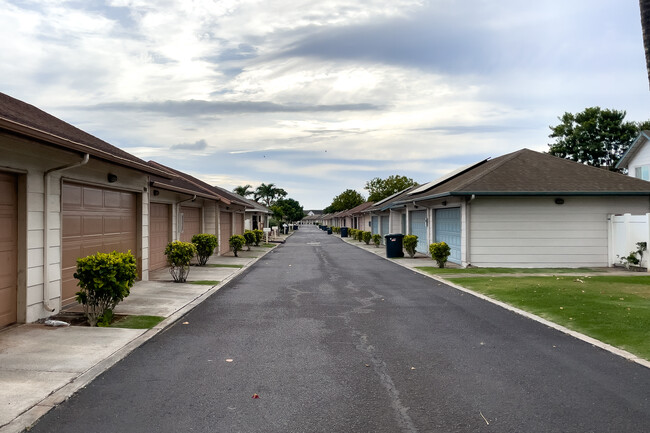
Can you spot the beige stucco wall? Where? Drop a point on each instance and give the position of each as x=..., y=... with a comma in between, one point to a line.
x=30, y=160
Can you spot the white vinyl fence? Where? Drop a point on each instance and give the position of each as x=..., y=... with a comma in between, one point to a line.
x=624, y=232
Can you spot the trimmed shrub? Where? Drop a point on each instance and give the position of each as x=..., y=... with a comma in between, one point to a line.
x=367, y=236
x=360, y=235
x=249, y=237
x=410, y=244
x=236, y=243
x=376, y=239
x=105, y=280
x=352, y=233
x=205, y=244
x=439, y=252
x=179, y=254
x=259, y=234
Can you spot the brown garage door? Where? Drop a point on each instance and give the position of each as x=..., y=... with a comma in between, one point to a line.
x=224, y=231
x=191, y=223
x=94, y=220
x=8, y=249
x=239, y=224
x=159, y=235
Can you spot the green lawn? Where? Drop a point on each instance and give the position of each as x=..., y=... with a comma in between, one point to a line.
x=612, y=309
x=480, y=271
x=137, y=322
x=225, y=266
x=205, y=282
x=268, y=245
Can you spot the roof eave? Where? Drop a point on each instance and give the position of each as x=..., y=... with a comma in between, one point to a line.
x=631, y=151
x=37, y=134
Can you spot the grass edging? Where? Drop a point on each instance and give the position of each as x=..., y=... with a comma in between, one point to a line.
x=580, y=336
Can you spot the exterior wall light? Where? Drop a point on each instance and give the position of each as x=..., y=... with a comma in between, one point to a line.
x=559, y=201
x=112, y=178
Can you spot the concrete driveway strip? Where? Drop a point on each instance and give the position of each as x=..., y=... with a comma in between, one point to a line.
x=334, y=339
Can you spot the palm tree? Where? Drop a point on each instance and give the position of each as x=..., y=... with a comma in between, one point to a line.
x=644, y=5
x=268, y=193
x=244, y=191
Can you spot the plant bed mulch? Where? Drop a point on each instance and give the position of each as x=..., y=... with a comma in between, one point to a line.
x=75, y=318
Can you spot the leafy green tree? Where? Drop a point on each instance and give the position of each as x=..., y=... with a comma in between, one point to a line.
x=244, y=191
x=344, y=201
x=268, y=194
x=595, y=136
x=379, y=188
x=287, y=209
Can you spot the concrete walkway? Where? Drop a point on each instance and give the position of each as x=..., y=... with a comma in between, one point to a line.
x=41, y=366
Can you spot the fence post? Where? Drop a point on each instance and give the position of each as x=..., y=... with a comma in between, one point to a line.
x=647, y=253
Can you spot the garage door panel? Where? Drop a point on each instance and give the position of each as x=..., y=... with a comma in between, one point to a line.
x=71, y=196
x=419, y=228
x=159, y=235
x=97, y=223
x=113, y=224
x=224, y=231
x=92, y=225
x=8, y=249
x=448, y=230
x=93, y=198
x=112, y=199
x=191, y=223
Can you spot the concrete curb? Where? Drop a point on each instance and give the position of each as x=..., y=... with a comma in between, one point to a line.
x=29, y=417
x=587, y=339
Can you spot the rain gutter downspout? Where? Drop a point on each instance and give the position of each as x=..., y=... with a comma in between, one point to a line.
x=178, y=212
x=46, y=227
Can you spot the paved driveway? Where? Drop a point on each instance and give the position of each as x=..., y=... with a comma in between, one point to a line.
x=334, y=339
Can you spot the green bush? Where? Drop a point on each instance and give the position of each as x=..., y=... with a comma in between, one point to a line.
x=376, y=239
x=410, y=244
x=367, y=236
x=105, y=280
x=352, y=233
x=236, y=243
x=439, y=252
x=205, y=244
x=359, y=235
x=259, y=234
x=179, y=254
x=249, y=237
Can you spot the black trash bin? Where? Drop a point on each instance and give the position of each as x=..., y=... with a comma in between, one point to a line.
x=329, y=230
x=394, y=245
x=344, y=232
x=295, y=226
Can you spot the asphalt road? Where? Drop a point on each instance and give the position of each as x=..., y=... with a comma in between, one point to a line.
x=335, y=339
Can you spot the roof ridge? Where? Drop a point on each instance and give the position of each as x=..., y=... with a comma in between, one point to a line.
x=497, y=162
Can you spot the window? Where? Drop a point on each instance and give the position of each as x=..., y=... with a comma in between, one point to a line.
x=642, y=172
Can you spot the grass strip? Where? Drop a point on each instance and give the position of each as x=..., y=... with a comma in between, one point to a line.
x=612, y=309
x=225, y=266
x=137, y=322
x=205, y=282
x=268, y=245
x=483, y=271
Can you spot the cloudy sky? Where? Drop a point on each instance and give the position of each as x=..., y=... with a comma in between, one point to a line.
x=321, y=96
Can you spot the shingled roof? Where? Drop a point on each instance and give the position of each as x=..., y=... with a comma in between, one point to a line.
x=22, y=119
x=526, y=172
x=183, y=183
